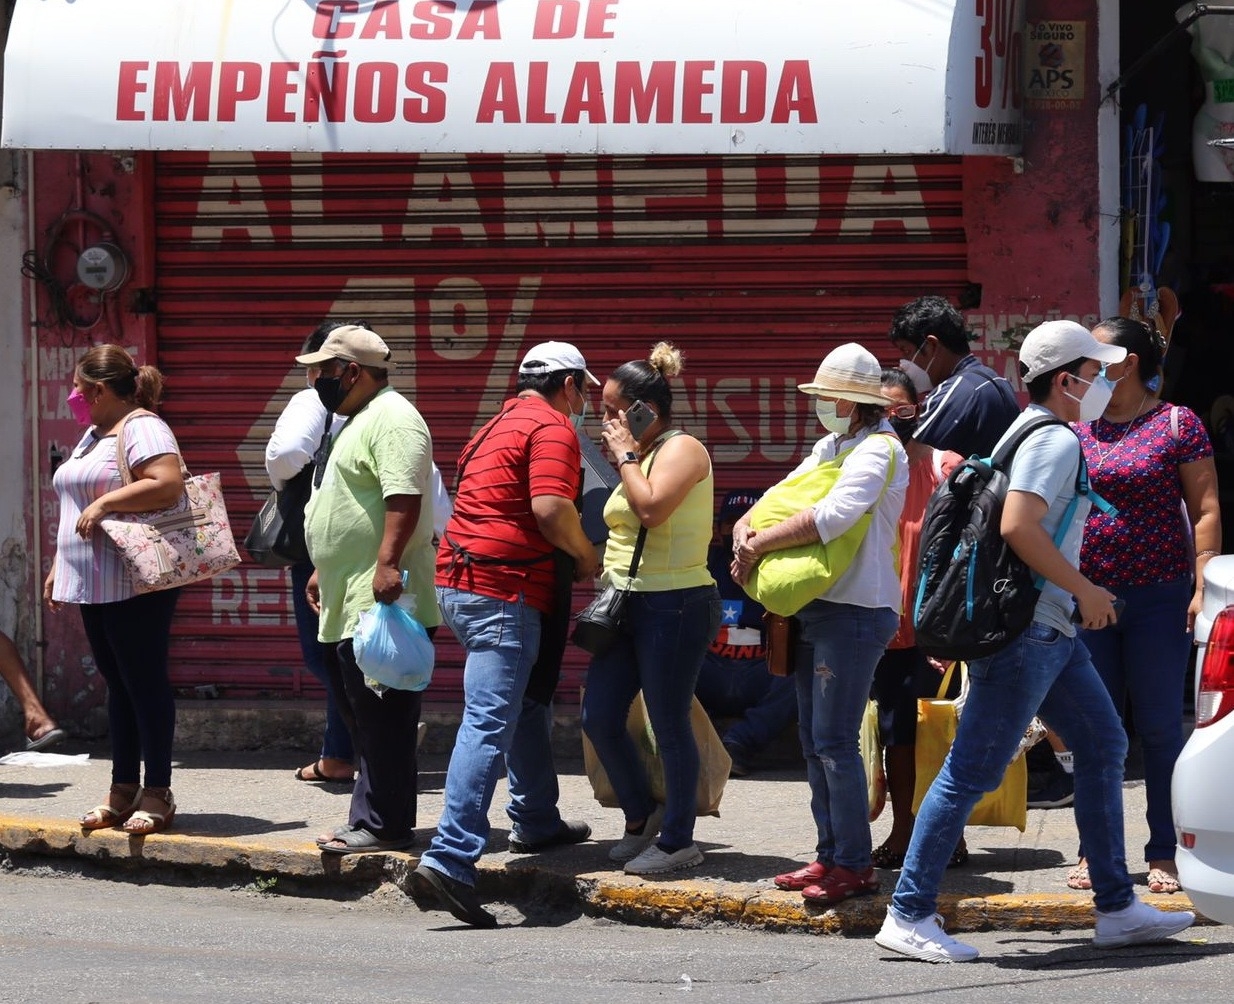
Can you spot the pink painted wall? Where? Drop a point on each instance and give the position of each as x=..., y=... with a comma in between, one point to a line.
x=118, y=190
x=1033, y=225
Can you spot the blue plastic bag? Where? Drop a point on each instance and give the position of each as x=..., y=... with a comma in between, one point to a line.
x=393, y=648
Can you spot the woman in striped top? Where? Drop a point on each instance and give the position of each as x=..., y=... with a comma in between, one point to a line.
x=129, y=633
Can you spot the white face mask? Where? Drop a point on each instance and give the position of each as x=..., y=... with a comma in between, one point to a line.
x=830, y=419
x=920, y=378
x=1096, y=399
x=578, y=420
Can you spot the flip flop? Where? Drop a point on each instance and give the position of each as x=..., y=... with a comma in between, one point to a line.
x=49, y=738
x=361, y=841
x=313, y=773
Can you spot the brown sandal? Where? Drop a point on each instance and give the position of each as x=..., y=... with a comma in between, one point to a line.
x=101, y=817
x=143, y=821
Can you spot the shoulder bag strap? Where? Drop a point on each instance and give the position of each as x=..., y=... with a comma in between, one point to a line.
x=475, y=444
x=642, y=530
x=122, y=459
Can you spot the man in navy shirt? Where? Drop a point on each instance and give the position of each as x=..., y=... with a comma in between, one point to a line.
x=967, y=406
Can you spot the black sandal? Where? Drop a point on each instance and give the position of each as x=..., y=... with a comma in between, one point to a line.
x=959, y=856
x=884, y=857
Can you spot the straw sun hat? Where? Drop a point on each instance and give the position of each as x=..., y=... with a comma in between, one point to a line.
x=849, y=373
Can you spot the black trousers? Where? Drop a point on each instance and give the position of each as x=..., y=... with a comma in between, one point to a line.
x=383, y=732
x=129, y=640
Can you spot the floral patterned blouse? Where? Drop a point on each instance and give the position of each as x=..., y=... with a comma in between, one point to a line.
x=1134, y=466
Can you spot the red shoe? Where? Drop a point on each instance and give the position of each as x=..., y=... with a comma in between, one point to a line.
x=811, y=874
x=840, y=884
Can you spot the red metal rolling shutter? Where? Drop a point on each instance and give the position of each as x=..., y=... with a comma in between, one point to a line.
x=755, y=267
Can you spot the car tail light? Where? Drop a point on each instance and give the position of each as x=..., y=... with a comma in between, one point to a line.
x=1216, y=698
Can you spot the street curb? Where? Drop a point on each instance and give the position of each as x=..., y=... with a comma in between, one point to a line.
x=681, y=903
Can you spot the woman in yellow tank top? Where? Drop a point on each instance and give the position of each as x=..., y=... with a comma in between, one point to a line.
x=672, y=615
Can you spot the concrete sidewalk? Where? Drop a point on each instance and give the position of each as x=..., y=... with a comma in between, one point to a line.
x=244, y=815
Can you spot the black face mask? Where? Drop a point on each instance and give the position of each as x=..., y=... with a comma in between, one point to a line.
x=330, y=391
x=904, y=427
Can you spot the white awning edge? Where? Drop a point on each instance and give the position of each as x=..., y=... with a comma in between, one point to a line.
x=515, y=76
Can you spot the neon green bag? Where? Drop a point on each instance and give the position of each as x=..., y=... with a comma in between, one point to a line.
x=785, y=581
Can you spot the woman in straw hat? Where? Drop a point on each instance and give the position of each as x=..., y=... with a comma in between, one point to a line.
x=842, y=633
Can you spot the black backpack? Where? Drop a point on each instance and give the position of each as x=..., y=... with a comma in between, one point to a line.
x=974, y=593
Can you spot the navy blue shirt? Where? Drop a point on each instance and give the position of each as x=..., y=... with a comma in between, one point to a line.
x=969, y=411
x=741, y=618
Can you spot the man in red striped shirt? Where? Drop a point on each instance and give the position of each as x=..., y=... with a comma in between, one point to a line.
x=519, y=480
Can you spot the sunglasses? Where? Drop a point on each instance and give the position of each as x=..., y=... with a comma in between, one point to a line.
x=903, y=411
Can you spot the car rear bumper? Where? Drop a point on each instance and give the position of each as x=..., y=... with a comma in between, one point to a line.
x=1204, y=810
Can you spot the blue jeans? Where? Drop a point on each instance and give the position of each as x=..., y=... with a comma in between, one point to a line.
x=336, y=744
x=500, y=729
x=765, y=704
x=1041, y=672
x=839, y=647
x=666, y=634
x=1146, y=655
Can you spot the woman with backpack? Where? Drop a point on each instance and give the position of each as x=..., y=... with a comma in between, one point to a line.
x=843, y=630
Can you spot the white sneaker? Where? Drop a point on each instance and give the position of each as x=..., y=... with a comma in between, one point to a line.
x=1139, y=924
x=925, y=940
x=632, y=845
x=654, y=861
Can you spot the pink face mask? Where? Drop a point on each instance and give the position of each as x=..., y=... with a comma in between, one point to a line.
x=79, y=407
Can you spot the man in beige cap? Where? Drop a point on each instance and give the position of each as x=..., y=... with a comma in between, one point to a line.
x=369, y=522
x=519, y=480
x=1046, y=670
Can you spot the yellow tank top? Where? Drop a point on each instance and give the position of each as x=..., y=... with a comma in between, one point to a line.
x=675, y=552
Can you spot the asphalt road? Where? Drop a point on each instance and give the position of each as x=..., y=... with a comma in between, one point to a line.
x=71, y=937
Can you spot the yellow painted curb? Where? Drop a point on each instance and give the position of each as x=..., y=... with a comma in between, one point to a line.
x=680, y=903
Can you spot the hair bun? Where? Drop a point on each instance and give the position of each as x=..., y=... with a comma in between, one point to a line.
x=666, y=359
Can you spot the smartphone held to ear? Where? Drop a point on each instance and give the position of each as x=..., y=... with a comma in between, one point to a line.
x=639, y=418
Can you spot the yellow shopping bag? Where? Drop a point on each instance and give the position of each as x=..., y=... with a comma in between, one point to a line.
x=872, y=757
x=936, y=731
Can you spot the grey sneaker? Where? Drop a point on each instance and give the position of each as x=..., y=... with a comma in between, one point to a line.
x=654, y=861
x=632, y=845
x=1139, y=924
x=925, y=940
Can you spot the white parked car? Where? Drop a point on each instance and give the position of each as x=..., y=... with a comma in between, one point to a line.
x=1203, y=806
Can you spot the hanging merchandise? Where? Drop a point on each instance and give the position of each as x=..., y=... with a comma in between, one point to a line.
x=1145, y=236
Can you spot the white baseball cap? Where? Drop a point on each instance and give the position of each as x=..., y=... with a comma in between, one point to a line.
x=1057, y=343
x=552, y=357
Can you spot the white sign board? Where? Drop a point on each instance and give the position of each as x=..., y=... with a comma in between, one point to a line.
x=505, y=76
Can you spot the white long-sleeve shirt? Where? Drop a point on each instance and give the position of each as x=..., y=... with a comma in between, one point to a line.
x=296, y=436
x=873, y=579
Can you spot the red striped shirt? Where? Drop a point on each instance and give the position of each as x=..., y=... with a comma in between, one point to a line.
x=530, y=450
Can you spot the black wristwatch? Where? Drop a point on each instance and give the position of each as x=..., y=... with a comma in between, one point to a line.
x=630, y=458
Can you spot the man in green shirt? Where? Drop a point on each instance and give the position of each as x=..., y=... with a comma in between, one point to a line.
x=367, y=523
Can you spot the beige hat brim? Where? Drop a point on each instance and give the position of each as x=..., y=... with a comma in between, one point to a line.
x=844, y=394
